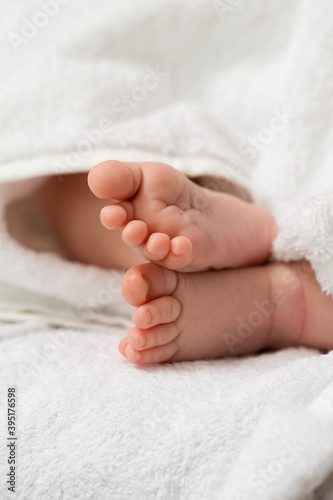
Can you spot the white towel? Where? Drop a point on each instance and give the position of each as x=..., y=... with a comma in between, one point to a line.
x=239, y=89
x=92, y=426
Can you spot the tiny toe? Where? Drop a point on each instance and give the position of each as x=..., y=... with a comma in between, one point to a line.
x=151, y=356
x=132, y=355
x=147, y=281
x=157, y=246
x=180, y=254
x=134, y=287
x=113, y=216
x=156, y=312
x=137, y=339
x=135, y=233
x=114, y=179
x=153, y=337
x=122, y=346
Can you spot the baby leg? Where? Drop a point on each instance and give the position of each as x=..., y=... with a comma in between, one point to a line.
x=73, y=213
x=188, y=316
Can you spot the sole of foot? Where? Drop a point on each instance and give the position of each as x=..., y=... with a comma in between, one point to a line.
x=178, y=224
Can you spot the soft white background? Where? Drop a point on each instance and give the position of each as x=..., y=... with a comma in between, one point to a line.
x=90, y=425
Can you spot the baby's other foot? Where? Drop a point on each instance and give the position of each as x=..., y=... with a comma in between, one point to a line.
x=177, y=223
x=189, y=316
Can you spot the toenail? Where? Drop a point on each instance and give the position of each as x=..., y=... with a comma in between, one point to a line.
x=129, y=279
x=143, y=341
x=138, y=356
x=146, y=284
x=148, y=317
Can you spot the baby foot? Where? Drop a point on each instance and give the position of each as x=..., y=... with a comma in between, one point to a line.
x=188, y=316
x=177, y=223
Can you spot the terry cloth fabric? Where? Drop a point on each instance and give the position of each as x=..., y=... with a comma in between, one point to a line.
x=237, y=89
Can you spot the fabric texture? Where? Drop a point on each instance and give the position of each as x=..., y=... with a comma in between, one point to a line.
x=243, y=90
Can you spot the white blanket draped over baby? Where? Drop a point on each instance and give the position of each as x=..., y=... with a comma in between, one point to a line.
x=240, y=89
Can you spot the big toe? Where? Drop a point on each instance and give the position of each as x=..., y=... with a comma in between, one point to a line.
x=148, y=281
x=113, y=179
